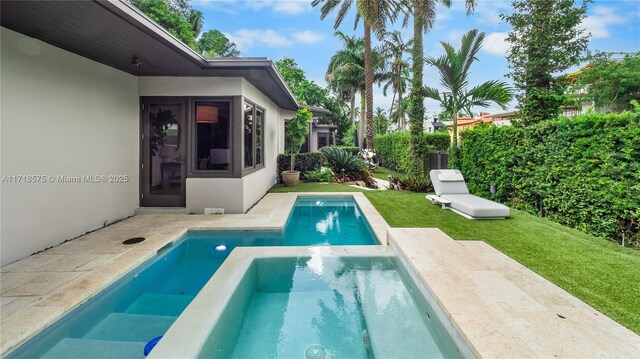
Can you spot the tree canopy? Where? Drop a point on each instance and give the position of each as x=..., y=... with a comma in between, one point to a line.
x=185, y=23
x=310, y=93
x=608, y=82
x=213, y=43
x=546, y=39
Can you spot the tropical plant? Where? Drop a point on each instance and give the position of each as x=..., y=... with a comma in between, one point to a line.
x=414, y=183
x=375, y=15
x=424, y=15
x=196, y=19
x=454, y=69
x=343, y=163
x=394, y=47
x=380, y=122
x=214, y=43
x=546, y=39
x=320, y=175
x=399, y=111
x=296, y=131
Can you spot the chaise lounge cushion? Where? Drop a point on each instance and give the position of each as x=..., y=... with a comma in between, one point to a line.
x=452, y=182
x=476, y=206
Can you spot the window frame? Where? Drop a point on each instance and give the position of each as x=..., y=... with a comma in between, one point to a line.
x=194, y=172
x=255, y=167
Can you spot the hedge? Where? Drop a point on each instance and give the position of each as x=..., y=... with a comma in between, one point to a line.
x=582, y=172
x=394, y=150
x=305, y=162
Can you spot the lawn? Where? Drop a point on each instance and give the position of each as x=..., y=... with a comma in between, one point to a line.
x=383, y=173
x=599, y=272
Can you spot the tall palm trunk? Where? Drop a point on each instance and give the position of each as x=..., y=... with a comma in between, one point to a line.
x=368, y=84
x=353, y=108
x=393, y=100
x=403, y=125
x=363, y=124
x=416, y=115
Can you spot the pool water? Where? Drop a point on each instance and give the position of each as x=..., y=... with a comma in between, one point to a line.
x=120, y=320
x=142, y=305
x=322, y=220
x=329, y=307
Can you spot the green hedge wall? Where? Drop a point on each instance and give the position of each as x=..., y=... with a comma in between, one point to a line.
x=582, y=172
x=305, y=162
x=394, y=149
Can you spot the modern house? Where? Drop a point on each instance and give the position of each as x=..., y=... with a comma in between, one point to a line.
x=105, y=113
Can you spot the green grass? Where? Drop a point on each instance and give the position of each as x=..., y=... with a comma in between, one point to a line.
x=598, y=271
x=383, y=173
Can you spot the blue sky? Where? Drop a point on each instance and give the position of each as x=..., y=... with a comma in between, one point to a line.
x=282, y=28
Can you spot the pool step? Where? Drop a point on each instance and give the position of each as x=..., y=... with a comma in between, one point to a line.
x=131, y=327
x=398, y=315
x=92, y=348
x=159, y=304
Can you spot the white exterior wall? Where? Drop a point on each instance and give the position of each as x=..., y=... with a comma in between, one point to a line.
x=62, y=114
x=235, y=195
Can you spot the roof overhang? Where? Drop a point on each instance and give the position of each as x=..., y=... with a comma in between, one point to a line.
x=115, y=33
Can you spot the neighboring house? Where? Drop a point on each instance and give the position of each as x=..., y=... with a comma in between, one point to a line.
x=110, y=114
x=320, y=135
x=581, y=107
x=498, y=119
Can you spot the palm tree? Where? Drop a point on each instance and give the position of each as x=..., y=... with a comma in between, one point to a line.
x=380, y=121
x=424, y=15
x=454, y=68
x=196, y=19
x=345, y=73
x=399, y=111
x=394, y=47
x=375, y=15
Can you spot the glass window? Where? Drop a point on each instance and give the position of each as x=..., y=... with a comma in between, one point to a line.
x=213, y=135
x=259, y=136
x=248, y=134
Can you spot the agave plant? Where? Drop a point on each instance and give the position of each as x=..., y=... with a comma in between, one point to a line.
x=343, y=163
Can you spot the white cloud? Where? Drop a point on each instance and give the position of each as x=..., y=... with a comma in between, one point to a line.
x=598, y=22
x=495, y=43
x=291, y=7
x=308, y=37
x=246, y=38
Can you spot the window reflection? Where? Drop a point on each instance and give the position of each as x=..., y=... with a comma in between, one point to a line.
x=213, y=136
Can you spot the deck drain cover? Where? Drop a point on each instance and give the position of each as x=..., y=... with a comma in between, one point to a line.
x=315, y=351
x=133, y=240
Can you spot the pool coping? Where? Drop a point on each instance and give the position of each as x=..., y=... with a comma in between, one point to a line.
x=38, y=290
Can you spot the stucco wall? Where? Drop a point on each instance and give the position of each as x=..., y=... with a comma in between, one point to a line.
x=62, y=115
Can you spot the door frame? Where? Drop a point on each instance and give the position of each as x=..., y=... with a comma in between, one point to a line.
x=145, y=199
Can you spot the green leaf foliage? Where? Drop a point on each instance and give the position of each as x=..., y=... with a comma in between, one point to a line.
x=414, y=183
x=304, y=162
x=342, y=162
x=176, y=20
x=214, y=43
x=582, y=172
x=321, y=175
x=394, y=150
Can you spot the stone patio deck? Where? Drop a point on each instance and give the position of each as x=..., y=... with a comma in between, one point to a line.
x=503, y=309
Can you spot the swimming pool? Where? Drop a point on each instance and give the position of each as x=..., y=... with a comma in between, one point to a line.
x=335, y=308
x=314, y=303
x=143, y=304
x=120, y=320
x=327, y=220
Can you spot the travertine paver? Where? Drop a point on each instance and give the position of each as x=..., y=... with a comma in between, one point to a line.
x=37, y=290
x=503, y=309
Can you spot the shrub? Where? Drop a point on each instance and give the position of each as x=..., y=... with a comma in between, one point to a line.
x=320, y=175
x=342, y=162
x=296, y=131
x=582, y=172
x=304, y=162
x=413, y=183
x=354, y=150
x=394, y=150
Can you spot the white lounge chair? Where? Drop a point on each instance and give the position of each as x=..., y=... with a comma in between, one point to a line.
x=452, y=193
